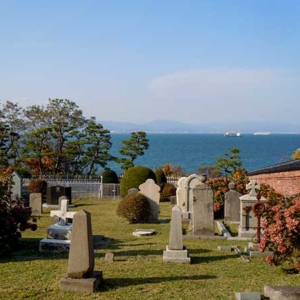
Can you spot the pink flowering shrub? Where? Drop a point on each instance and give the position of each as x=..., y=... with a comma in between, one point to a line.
x=281, y=229
x=220, y=187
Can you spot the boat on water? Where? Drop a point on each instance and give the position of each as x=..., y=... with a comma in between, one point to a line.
x=233, y=134
x=262, y=133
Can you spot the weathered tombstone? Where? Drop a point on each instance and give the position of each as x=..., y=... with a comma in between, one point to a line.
x=151, y=190
x=248, y=221
x=203, y=210
x=35, y=202
x=232, y=204
x=81, y=276
x=191, y=182
x=54, y=192
x=181, y=192
x=16, y=189
x=175, y=251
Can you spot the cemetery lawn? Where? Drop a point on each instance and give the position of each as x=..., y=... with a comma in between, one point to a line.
x=138, y=271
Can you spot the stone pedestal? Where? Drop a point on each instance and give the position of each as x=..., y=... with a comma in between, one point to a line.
x=84, y=285
x=54, y=246
x=253, y=250
x=59, y=232
x=179, y=256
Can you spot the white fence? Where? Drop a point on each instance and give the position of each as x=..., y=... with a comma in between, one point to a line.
x=92, y=188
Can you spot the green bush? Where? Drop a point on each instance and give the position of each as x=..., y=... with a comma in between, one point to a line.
x=134, y=177
x=109, y=176
x=160, y=176
x=38, y=186
x=167, y=190
x=135, y=208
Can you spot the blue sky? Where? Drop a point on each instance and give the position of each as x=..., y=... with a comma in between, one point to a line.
x=138, y=61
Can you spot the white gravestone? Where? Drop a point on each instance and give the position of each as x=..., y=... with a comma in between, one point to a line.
x=192, y=181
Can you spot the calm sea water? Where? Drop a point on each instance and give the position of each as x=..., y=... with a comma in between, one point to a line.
x=191, y=151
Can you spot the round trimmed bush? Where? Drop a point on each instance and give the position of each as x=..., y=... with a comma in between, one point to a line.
x=167, y=191
x=160, y=176
x=134, y=177
x=135, y=208
x=109, y=176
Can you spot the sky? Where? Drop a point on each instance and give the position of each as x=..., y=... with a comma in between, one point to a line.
x=138, y=61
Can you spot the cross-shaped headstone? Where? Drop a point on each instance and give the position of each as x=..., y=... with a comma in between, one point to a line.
x=252, y=185
x=63, y=214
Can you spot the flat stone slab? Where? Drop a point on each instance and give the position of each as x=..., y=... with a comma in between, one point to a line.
x=143, y=232
x=248, y=296
x=84, y=285
x=225, y=248
x=283, y=292
x=204, y=237
x=54, y=246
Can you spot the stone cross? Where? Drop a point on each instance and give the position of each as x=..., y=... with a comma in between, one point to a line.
x=63, y=214
x=252, y=185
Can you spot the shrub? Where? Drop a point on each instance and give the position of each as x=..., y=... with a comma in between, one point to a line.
x=168, y=190
x=13, y=217
x=134, y=177
x=109, y=176
x=160, y=176
x=281, y=229
x=135, y=208
x=38, y=186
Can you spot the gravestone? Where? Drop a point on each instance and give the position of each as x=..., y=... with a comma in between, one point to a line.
x=151, y=190
x=81, y=276
x=16, y=189
x=63, y=214
x=191, y=182
x=248, y=221
x=59, y=201
x=232, y=204
x=54, y=192
x=35, y=202
x=203, y=210
x=181, y=192
x=175, y=251
x=59, y=234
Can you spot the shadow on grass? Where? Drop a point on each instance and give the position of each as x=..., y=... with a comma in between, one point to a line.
x=114, y=283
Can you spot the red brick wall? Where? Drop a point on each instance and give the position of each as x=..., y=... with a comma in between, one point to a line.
x=286, y=183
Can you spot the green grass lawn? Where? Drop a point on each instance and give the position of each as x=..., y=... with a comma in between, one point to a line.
x=138, y=271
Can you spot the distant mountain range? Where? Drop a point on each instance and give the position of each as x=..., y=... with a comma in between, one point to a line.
x=168, y=126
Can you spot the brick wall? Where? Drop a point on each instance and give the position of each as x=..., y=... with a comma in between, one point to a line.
x=286, y=183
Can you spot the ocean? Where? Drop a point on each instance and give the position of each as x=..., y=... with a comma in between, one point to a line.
x=191, y=151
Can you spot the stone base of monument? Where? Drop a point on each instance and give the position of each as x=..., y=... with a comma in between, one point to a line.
x=283, y=292
x=59, y=232
x=246, y=233
x=55, y=246
x=178, y=256
x=253, y=251
x=84, y=285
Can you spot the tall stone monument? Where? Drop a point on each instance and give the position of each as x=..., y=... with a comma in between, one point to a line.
x=175, y=251
x=203, y=210
x=81, y=276
x=248, y=221
x=232, y=204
